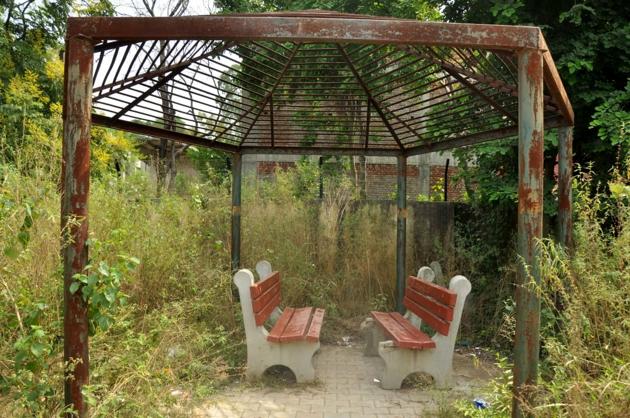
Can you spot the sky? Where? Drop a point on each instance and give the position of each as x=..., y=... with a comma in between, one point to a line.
x=136, y=7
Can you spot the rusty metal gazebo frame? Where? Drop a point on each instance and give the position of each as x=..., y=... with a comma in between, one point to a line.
x=322, y=83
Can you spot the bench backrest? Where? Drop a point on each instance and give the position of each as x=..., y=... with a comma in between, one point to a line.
x=434, y=304
x=266, y=297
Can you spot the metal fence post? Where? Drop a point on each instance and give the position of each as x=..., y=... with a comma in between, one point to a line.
x=401, y=232
x=236, y=210
x=565, y=199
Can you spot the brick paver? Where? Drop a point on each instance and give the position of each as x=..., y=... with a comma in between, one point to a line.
x=345, y=388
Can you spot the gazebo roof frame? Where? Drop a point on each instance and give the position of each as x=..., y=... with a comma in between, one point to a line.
x=469, y=76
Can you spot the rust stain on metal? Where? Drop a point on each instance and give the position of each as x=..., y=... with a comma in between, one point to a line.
x=536, y=153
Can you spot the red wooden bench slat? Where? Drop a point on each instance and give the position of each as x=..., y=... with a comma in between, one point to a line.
x=442, y=311
x=397, y=332
x=280, y=325
x=262, y=286
x=297, y=326
x=431, y=319
x=426, y=341
x=316, y=325
x=261, y=301
x=439, y=293
x=262, y=316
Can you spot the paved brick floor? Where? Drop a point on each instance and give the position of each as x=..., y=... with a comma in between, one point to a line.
x=345, y=388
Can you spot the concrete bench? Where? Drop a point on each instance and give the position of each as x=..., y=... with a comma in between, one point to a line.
x=400, y=342
x=294, y=335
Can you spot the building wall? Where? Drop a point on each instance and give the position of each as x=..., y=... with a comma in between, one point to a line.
x=425, y=174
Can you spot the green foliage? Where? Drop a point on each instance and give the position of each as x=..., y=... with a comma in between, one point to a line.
x=31, y=361
x=584, y=326
x=212, y=164
x=100, y=288
x=506, y=13
x=412, y=9
x=587, y=40
x=612, y=118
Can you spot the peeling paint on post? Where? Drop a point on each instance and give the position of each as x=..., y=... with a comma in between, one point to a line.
x=565, y=200
x=74, y=213
x=530, y=224
x=401, y=232
x=236, y=211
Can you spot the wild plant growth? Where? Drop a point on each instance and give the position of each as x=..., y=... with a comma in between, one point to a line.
x=585, y=325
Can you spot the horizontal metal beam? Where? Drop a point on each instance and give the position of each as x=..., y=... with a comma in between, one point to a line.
x=320, y=151
x=307, y=27
x=464, y=141
x=477, y=138
x=554, y=83
x=137, y=128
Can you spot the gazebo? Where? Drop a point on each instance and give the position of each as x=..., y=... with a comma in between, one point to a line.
x=319, y=83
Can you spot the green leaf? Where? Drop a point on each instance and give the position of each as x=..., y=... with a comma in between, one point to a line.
x=38, y=349
x=24, y=237
x=74, y=286
x=103, y=322
x=28, y=221
x=110, y=295
x=103, y=268
x=11, y=252
x=92, y=279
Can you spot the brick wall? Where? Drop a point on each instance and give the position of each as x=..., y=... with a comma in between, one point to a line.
x=382, y=179
x=267, y=168
x=456, y=189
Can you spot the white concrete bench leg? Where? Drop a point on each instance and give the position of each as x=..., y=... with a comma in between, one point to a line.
x=373, y=335
x=297, y=356
x=401, y=362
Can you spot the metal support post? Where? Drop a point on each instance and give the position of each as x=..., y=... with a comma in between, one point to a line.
x=530, y=225
x=401, y=232
x=565, y=200
x=75, y=185
x=236, y=211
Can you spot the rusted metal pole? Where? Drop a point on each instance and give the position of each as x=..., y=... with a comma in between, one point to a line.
x=236, y=211
x=565, y=200
x=446, y=180
x=74, y=213
x=530, y=225
x=401, y=232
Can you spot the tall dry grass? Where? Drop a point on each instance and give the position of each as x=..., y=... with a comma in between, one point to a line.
x=585, y=320
x=181, y=329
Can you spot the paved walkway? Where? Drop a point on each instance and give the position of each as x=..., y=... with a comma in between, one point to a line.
x=346, y=388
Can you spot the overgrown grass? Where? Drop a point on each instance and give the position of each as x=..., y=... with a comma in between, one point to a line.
x=180, y=338
x=181, y=331
x=585, y=327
